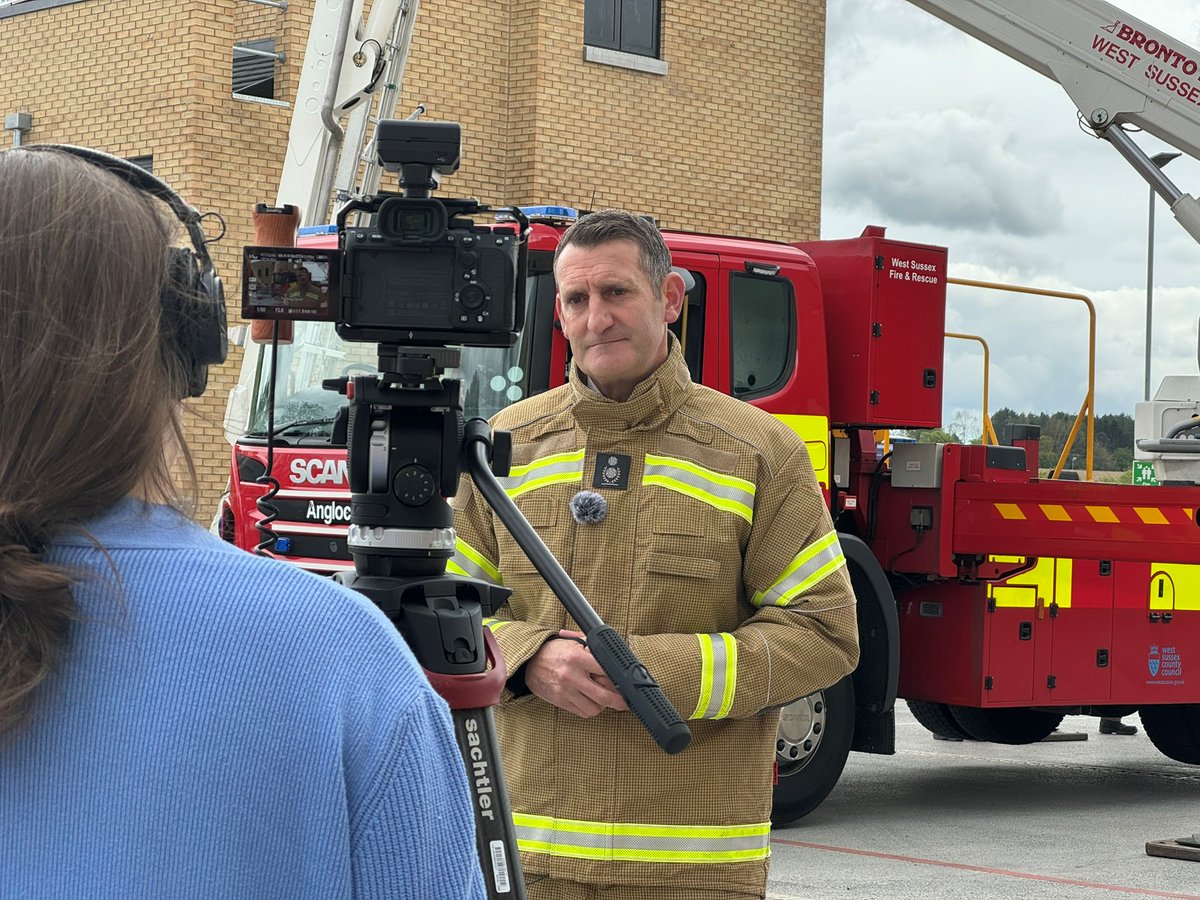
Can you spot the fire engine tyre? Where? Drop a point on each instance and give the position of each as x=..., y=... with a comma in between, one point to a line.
x=1005, y=726
x=1174, y=730
x=814, y=740
x=937, y=718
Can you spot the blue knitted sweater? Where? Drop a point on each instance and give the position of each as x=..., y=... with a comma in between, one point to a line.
x=226, y=726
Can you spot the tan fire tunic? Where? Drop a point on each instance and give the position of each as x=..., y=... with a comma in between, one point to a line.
x=718, y=562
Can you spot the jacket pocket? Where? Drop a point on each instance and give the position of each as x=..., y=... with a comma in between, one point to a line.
x=683, y=566
x=542, y=514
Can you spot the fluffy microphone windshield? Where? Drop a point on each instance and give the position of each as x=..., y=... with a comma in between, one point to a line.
x=588, y=508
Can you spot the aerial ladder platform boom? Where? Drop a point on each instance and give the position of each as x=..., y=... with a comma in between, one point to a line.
x=1117, y=70
x=346, y=62
x=351, y=67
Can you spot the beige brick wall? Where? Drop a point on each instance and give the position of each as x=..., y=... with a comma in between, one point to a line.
x=728, y=140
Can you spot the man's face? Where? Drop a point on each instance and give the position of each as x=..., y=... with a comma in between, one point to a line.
x=614, y=318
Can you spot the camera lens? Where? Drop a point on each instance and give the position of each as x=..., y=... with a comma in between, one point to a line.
x=472, y=297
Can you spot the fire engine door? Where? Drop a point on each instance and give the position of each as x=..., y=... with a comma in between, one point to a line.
x=1050, y=635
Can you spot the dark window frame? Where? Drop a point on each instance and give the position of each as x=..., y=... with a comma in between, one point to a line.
x=254, y=67
x=607, y=24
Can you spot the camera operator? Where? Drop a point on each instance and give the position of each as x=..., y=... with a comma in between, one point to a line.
x=701, y=533
x=179, y=718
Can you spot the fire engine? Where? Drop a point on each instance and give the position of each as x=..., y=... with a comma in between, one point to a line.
x=994, y=601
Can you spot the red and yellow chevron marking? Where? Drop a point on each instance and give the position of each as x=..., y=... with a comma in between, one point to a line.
x=1084, y=513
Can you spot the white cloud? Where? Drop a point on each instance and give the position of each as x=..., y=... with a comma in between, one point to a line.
x=940, y=167
x=947, y=141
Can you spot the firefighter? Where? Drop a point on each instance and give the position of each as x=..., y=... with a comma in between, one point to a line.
x=694, y=525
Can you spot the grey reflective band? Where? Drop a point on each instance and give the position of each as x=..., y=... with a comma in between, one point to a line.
x=725, y=492
x=810, y=566
x=718, y=675
x=561, y=468
x=471, y=563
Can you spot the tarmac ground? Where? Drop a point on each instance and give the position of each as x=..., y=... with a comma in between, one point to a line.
x=1066, y=819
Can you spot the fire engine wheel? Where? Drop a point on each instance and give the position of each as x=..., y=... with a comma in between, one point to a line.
x=1174, y=730
x=1005, y=726
x=937, y=718
x=811, y=749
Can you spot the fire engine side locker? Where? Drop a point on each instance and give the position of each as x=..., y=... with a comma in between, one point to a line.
x=1095, y=633
x=885, y=306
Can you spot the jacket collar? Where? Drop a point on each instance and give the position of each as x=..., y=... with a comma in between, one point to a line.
x=649, y=406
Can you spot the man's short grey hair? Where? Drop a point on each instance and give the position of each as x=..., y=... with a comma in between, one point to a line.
x=606, y=225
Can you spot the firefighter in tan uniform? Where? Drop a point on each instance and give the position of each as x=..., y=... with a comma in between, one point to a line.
x=694, y=525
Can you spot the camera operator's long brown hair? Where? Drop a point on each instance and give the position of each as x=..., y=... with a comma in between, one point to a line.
x=86, y=387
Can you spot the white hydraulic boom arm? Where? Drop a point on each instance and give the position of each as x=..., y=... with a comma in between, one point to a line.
x=1116, y=69
x=346, y=61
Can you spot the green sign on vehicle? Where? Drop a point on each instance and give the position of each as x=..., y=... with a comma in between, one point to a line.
x=1143, y=472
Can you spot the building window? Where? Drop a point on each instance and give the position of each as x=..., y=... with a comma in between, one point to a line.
x=627, y=26
x=254, y=68
x=760, y=310
x=143, y=162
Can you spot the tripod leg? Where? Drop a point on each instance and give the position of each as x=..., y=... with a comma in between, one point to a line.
x=494, y=835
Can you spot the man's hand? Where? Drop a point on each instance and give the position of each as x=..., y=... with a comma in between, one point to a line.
x=564, y=673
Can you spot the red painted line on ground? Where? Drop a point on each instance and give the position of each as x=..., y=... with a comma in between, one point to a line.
x=988, y=870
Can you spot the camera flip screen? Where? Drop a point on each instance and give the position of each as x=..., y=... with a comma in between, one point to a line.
x=290, y=283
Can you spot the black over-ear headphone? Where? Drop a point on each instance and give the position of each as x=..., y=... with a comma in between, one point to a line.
x=193, y=300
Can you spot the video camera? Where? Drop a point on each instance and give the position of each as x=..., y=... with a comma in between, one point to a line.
x=420, y=273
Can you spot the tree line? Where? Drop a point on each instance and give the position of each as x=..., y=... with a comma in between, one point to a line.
x=1112, y=448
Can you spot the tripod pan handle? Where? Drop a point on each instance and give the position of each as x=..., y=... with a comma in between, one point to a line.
x=639, y=689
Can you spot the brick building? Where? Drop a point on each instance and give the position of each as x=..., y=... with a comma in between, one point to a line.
x=707, y=115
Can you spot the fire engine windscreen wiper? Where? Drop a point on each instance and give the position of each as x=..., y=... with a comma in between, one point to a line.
x=302, y=423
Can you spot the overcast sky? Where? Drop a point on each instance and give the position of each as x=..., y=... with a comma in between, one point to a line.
x=946, y=141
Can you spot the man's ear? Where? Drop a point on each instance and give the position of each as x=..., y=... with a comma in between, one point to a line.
x=673, y=294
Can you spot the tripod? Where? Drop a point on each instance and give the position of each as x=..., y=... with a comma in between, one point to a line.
x=407, y=443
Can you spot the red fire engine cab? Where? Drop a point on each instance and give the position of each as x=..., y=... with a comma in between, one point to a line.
x=994, y=601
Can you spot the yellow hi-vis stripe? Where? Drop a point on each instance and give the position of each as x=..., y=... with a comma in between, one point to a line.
x=718, y=675
x=812, y=564
x=725, y=492
x=611, y=841
x=561, y=468
x=469, y=562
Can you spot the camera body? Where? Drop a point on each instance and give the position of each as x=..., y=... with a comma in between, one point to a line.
x=422, y=268
x=419, y=272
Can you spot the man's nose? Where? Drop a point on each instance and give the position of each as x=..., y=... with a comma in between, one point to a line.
x=599, y=315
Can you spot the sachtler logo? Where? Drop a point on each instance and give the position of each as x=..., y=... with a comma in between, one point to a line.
x=481, y=780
